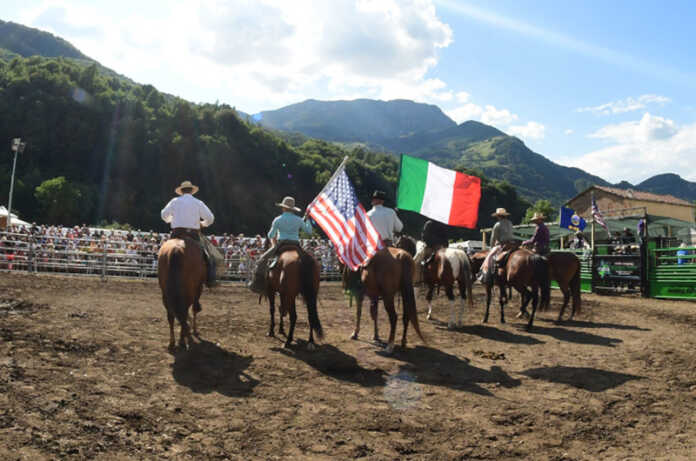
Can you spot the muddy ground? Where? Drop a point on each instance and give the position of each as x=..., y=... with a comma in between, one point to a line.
x=85, y=374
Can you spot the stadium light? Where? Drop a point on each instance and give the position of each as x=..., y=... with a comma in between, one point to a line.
x=17, y=147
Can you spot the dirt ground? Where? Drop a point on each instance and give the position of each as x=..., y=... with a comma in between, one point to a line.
x=85, y=374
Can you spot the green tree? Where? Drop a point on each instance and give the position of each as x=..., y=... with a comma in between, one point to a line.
x=59, y=200
x=541, y=206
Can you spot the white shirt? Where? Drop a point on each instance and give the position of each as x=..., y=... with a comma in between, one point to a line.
x=187, y=211
x=385, y=221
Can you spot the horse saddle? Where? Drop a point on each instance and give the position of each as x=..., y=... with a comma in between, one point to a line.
x=282, y=248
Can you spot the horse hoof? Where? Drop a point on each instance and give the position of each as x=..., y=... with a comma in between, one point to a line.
x=376, y=339
x=450, y=325
x=389, y=349
x=287, y=344
x=428, y=317
x=311, y=347
x=270, y=334
x=171, y=348
x=354, y=336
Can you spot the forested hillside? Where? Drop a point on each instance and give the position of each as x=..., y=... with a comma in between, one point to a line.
x=122, y=148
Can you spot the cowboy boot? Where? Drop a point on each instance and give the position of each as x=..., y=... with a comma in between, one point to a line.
x=211, y=282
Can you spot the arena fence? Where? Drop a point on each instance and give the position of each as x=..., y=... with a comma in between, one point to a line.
x=117, y=258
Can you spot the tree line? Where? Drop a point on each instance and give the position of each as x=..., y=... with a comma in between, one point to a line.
x=102, y=149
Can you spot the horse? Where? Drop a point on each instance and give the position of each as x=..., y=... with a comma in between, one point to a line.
x=524, y=268
x=294, y=273
x=407, y=244
x=565, y=269
x=477, y=260
x=443, y=268
x=181, y=272
x=390, y=271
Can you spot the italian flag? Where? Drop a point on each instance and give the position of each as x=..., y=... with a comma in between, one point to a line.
x=440, y=194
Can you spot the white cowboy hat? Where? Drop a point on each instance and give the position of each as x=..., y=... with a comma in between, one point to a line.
x=500, y=212
x=288, y=203
x=537, y=217
x=186, y=185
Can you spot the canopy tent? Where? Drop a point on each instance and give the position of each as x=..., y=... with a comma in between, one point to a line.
x=15, y=221
x=658, y=226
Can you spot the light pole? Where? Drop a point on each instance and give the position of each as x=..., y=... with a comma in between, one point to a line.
x=17, y=147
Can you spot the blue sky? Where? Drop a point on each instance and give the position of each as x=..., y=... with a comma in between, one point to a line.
x=605, y=86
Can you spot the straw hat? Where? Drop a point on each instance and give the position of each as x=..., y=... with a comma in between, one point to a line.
x=186, y=185
x=500, y=212
x=288, y=203
x=537, y=217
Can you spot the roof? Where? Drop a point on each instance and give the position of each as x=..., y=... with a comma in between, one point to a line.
x=638, y=195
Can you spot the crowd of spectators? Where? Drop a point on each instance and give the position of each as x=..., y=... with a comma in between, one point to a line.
x=128, y=252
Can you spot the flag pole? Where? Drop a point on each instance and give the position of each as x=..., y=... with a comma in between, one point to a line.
x=341, y=166
x=593, y=223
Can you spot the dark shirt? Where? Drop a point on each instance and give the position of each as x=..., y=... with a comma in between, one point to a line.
x=435, y=234
x=541, y=238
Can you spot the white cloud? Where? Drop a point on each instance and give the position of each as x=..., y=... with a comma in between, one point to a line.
x=497, y=117
x=465, y=112
x=261, y=54
x=569, y=131
x=648, y=128
x=625, y=105
x=641, y=149
x=532, y=130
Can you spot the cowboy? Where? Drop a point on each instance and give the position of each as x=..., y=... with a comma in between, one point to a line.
x=186, y=214
x=500, y=235
x=285, y=230
x=434, y=236
x=541, y=239
x=384, y=219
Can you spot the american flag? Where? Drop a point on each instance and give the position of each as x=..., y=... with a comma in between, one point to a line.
x=597, y=216
x=344, y=220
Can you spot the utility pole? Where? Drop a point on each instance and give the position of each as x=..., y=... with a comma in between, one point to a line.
x=17, y=147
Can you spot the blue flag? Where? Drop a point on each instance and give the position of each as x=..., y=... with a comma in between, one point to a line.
x=570, y=220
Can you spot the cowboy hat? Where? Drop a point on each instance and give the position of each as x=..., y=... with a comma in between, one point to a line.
x=288, y=203
x=500, y=212
x=537, y=217
x=186, y=185
x=379, y=195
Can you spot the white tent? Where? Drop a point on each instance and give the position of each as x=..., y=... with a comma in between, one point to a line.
x=15, y=221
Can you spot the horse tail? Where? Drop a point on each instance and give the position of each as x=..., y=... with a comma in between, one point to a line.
x=409, y=296
x=309, y=293
x=175, y=299
x=541, y=274
x=575, y=284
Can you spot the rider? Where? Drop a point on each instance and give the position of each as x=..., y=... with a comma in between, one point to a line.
x=541, y=239
x=434, y=235
x=186, y=214
x=285, y=229
x=500, y=235
x=384, y=219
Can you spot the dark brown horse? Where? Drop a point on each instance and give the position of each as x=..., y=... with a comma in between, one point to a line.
x=565, y=269
x=477, y=260
x=294, y=273
x=389, y=272
x=443, y=268
x=182, y=273
x=528, y=273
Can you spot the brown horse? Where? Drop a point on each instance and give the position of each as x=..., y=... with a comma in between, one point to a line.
x=182, y=273
x=565, y=269
x=477, y=260
x=443, y=268
x=389, y=272
x=294, y=273
x=528, y=273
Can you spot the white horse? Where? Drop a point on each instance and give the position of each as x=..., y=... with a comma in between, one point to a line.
x=443, y=268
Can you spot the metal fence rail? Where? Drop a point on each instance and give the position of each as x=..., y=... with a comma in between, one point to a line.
x=117, y=258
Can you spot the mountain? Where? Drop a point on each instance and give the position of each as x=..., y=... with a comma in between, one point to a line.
x=670, y=183
x=26, y=41
x=362, y=120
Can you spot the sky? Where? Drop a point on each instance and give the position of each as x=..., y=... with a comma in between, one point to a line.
x=609, y=87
